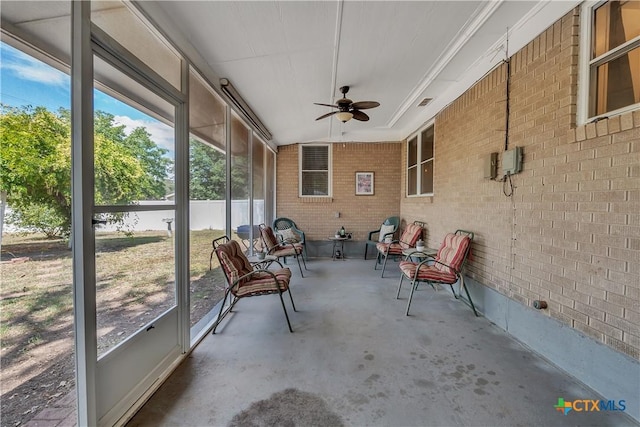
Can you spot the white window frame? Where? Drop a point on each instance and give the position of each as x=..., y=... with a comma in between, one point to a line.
x=419, y=162
x=329, y=171
x=585, y=62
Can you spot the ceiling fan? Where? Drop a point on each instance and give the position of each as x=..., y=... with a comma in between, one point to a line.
x=347, y=109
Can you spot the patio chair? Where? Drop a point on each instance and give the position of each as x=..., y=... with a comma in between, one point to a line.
x=243, y=281
x=281, y=249
x=290, y=232
x=411, y=234
x=387, y=230
x=445, y=268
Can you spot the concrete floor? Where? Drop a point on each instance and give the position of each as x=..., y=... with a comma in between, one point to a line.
x=354, y=348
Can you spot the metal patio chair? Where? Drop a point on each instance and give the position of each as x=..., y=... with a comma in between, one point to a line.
x=411, y=234
x=244, y=281
x=387, y=230
x=290, y=233
x=445, y=268
x=281, y=249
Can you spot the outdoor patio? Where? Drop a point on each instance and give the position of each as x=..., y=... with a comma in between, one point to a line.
x=355, y=358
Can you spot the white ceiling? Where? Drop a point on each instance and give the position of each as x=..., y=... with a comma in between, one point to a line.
x=283, y=56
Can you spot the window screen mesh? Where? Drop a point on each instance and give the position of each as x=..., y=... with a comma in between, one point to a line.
x=315, y=171
x=315, y=158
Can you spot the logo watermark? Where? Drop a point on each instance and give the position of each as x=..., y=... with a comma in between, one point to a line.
x=589, y=405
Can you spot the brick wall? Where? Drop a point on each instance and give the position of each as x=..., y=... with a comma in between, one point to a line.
x=570, y=233
x=358, y=214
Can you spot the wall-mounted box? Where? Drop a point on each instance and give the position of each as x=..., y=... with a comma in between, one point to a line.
x=491, y=166
x=512, y=161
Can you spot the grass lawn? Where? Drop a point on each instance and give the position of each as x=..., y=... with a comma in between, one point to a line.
x=135, y=284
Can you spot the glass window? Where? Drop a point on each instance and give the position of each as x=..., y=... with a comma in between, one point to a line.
x=257, y=159
x=315, y=167
x=614, y=66
x=207, y=204
x=127, y=27
x=240, y=167
x=420, y=163
x=270, y=185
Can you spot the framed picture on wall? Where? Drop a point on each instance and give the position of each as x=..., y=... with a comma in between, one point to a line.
x=364, y=183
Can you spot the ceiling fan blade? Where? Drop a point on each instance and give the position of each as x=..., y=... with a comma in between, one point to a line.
x=326, y=105
x=359, y=115
x=363, y=105
x=330, y=114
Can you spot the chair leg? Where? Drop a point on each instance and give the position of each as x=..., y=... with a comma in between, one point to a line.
x=285, y=311
x=303, y=261
x=219, y=319
x=291, y=297
x=462, y=285
x=299, y=266
x=375, y=266
x=384, y=265
x=413, y=287
x=366, y=247
x=400, y=285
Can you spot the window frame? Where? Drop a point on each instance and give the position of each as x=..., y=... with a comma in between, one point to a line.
x=419, y=162
x=329, y=170
x=587, y=66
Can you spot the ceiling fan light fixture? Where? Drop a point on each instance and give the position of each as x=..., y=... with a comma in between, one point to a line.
x=344, y=116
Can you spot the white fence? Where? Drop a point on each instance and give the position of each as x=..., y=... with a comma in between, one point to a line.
x=204, y=215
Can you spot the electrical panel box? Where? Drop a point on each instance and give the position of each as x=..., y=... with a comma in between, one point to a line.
x=512, y=161
x=491, y=166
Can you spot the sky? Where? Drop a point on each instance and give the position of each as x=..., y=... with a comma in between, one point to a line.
x=25, y=80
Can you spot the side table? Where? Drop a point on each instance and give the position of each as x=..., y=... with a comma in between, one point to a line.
x=262, y=264
x=419, y=255
x=338, y=247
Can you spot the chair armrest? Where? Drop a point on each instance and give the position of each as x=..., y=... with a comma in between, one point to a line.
x=371, y=233
x=434, y=261
x=283, y=245
x=300, y=233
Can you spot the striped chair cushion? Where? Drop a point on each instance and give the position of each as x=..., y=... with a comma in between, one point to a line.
x=233, y=261
x=410, y=236
x=287, y=250
x=263, y=283
x=427, y=273
x=452, y=252
x=269, y=237
x=394, y=248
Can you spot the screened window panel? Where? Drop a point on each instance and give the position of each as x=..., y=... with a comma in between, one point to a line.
x=427, y=144
x=615, y=23
x=615, y=57
x=315, y=158
x=139, y=37
x=618, y=83
x=426, y=177
x=315, y=183
x=412, y=158
x=412, y=183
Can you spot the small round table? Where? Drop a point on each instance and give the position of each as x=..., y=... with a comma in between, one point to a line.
x=338, y=242
x=262, y=264
x=419, y=255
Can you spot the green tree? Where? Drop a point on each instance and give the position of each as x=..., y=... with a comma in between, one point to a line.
x=207, y=172
x=35, y=166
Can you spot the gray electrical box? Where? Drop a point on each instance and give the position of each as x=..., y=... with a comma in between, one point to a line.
x=491, y=166
x=512, y=161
